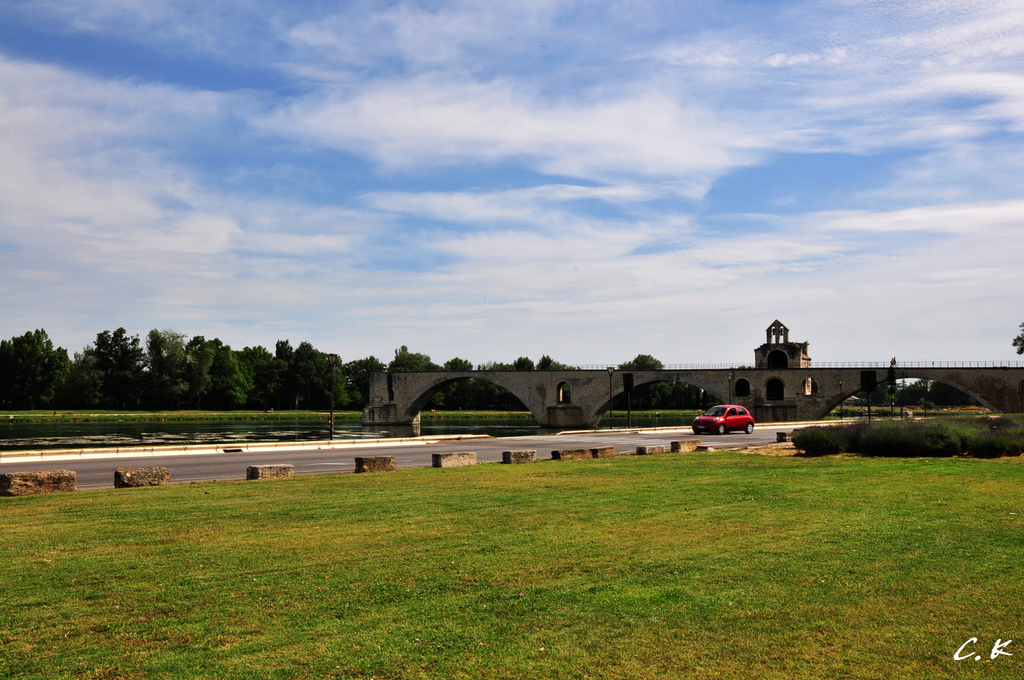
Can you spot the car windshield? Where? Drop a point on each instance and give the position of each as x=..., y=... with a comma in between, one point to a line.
x=716, y=411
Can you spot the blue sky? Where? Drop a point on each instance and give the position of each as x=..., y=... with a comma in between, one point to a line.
x=588, y=180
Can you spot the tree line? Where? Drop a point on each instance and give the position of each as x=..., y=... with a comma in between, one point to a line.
x=168, y=370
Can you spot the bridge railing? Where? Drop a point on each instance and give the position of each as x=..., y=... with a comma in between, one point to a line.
x=827, y=364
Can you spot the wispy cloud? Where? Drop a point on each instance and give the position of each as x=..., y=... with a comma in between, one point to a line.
x=487, y=180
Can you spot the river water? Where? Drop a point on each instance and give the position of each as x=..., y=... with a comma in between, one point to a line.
x=23, y=435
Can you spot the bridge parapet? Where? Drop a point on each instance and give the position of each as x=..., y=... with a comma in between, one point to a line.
x=773, y=394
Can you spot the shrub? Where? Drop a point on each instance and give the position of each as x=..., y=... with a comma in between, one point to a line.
x=819, y=441
x=980, y=437
x=852, y=435
x=988, y=446
x=910, y=440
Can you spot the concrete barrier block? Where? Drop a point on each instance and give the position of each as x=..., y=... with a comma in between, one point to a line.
x=375, y=464
x=603, y=452
x=269, y=471
x=130, y=477
x=451, y=460
x=648, y=450
x=782, y=437
x=42, y=481
x=524, y=456
x=572, y=454
x=705, y=448
x=685, y=445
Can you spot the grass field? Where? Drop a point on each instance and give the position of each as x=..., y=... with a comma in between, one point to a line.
x=708, y=565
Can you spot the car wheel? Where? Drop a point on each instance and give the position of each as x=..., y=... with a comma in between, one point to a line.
x=721, y=429
x=750, y=428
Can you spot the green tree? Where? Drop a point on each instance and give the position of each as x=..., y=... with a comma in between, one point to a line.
x=120, y=359
x=406, y=361
x=263, y=371
x=288, y=387
x=1018, y=341
x=198, y=360
x=229, y=385
x=546, y=363
x=165, y=364
x=32, y=371
x=84, y=387
x=642, y=362
x=457, y=364
x=311, y=374
x=523, y=364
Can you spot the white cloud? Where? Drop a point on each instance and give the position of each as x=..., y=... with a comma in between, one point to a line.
x=355, y=219
x=429, y=121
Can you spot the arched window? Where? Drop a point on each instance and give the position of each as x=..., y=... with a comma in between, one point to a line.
x=778, y=359
x=742, y=388
x=775, y=390
x=564, y=393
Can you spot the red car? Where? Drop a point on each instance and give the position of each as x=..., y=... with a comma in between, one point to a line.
x=724, y=418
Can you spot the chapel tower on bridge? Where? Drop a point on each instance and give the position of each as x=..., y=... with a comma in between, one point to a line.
x=779, y=352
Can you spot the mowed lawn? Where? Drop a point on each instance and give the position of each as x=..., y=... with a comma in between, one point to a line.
x=702, y=565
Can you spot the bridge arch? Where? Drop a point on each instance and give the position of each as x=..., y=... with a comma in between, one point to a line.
x=442, y=380
x=949, y=379
x=702, y=380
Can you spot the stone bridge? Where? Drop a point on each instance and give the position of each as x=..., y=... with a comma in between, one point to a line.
x=579, y=398
x=781, y=386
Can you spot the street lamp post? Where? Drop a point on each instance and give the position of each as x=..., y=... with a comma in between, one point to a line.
x=611, y=370
x=333, y=359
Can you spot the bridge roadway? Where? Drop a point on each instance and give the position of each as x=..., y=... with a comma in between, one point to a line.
x=98, y=473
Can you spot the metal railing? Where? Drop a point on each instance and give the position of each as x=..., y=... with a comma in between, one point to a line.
x=882, y=365
x=824, y=364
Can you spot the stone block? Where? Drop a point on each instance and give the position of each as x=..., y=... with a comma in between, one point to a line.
x=782, y=436
x=603, y=452
x=684, y=445
x=705, y=448
x=524, y=456
x=375, y=464
x=452, y=460
x=43, y=481
x=648, y=450
x=572, y=454
x=129, y=477
x=269, y=471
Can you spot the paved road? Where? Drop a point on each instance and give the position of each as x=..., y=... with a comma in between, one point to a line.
x=95, y=473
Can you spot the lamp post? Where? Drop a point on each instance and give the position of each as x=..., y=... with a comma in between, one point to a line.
x=332, y=359
x=611, y=370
